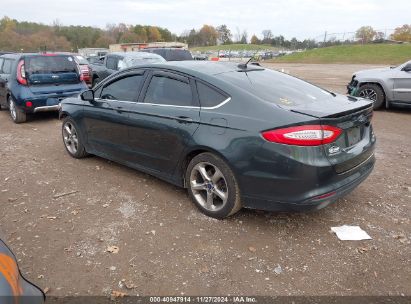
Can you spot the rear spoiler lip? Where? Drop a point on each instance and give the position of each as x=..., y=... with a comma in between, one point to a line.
x=336, y=115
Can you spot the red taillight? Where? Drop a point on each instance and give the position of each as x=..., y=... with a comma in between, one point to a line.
x=323, y=196
x=21, y=73
x=309, y=135
x=80, y=71
x=29, y=104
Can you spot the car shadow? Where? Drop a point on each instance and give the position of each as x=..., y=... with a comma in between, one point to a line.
x=43, y=117
x=397, y=109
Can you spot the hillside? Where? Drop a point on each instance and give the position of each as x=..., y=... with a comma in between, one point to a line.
x=370, y=53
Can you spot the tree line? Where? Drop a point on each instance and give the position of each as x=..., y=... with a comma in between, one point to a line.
x=31, y=36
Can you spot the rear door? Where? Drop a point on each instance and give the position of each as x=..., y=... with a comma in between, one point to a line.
x=106, y=119
x=402, y=86
x=163, y=122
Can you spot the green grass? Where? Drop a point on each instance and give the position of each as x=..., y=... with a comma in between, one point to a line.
x=235, y=47
x=369, y=53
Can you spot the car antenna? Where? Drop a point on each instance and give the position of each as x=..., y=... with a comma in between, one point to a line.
x=244, y=65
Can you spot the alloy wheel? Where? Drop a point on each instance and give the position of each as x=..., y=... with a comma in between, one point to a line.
x=369, y=94
x=70, y=137
x=209, y=186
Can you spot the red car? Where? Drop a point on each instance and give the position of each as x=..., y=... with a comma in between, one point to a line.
x=84, y=68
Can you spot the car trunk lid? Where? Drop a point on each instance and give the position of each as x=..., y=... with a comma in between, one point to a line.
x=353, y=116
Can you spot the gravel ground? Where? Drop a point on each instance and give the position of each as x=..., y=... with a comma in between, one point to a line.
x=61, y=215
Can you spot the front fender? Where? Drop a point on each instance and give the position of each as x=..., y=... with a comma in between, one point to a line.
x=387, y=85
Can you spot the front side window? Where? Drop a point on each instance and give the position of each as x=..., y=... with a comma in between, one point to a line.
x=123, y=89
x=209, y=97
x=169, y=91
x=1, y=65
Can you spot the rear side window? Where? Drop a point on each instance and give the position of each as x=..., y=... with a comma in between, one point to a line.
x=50, y=65
x=169, y=91
x=209, y=97
x=160, y=52
x=7, y=64
x=123, y=89
x=112, y=63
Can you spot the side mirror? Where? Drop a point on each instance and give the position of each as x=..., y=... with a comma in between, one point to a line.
x=407, y=68
x=87, y=95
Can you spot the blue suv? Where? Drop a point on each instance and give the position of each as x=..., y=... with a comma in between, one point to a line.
x=31, y=83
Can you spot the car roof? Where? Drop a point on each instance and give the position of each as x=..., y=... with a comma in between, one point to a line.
x=165, y=48
x=135, y=54
x=199, y=68
x=12, y=56
x=20, y=55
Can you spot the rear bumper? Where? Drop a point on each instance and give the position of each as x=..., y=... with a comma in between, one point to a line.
x=46, y=108
x=331, y=192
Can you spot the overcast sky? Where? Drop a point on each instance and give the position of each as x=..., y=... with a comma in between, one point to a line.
x=299, y=18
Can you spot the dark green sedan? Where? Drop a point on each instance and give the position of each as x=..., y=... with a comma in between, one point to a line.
x=235, y=135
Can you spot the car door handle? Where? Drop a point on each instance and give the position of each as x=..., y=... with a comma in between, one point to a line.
x=119, y=109
x=184, y=119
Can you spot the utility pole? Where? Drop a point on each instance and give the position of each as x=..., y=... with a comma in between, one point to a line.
x=325, y=37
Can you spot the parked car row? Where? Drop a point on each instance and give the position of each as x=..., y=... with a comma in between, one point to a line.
x=114, y=62
x=37, y=82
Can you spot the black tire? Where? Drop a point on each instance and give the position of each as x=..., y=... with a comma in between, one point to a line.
x=16, y=114
x=72, y=141
x=96, y=81
x=369, y=91
x=225, y=186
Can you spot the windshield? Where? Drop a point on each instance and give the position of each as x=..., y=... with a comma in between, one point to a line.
x=276, y=87
x=51, y=69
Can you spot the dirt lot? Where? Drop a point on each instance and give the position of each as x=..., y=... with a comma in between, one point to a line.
x=166, y=247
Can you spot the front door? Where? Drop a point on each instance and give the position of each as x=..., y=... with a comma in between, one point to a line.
x=106, y=119
x=402, y=86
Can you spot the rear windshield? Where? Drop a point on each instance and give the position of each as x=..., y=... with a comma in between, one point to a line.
x=51, y=69
x=50, y=65
x=276, y=87
x=178, y=55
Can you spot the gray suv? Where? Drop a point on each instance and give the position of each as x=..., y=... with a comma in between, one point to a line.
x=389, y=86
